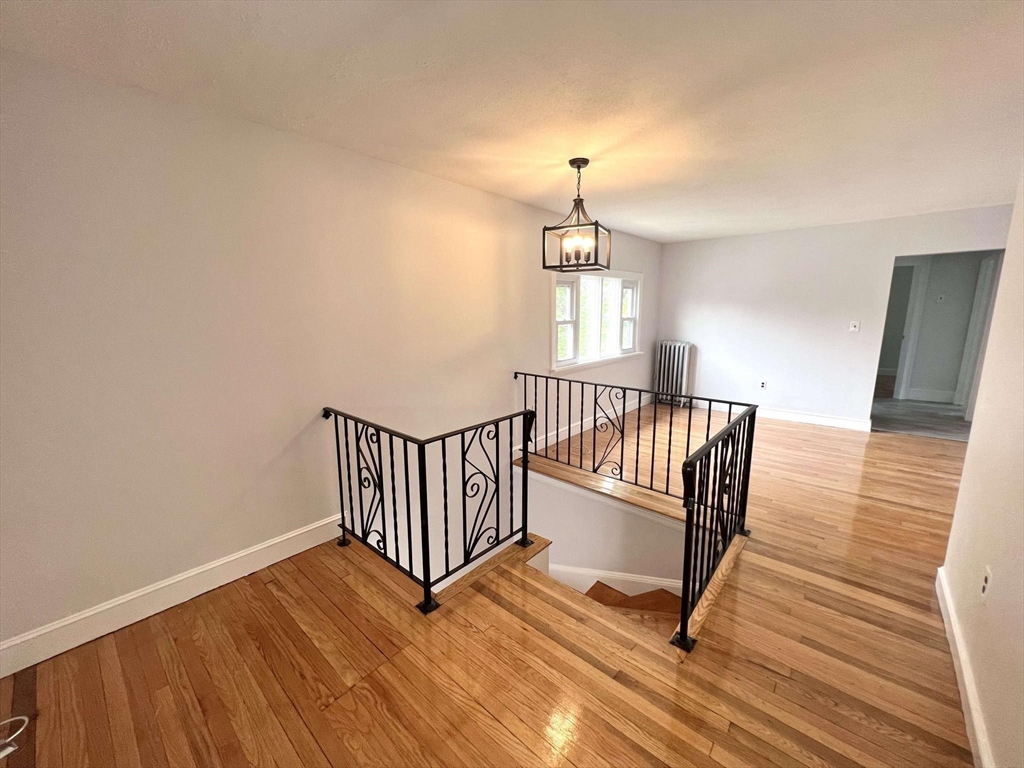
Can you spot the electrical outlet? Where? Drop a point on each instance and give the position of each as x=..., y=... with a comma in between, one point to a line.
x=764, y=385
x=987, y=581
x=855, y=326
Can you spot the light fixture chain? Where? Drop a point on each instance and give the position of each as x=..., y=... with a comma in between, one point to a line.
x=579, y=173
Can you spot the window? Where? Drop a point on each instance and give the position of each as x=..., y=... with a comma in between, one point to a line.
x=565, y=322
x=627, y=315
x=595, y=318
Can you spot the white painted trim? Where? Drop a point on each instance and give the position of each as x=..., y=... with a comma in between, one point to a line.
x=801, y=417
x=563, y=433
x=977, y=329
x=611, y=501
x=596, y=363
x=930, y=395
x=582, y=579
x=34, y=646
x=636, y=278
x=912, y=326
x=969, y=697
x=542, y=561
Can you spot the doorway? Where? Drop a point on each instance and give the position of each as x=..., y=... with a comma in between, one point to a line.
x=894, y=332
x=933, y=343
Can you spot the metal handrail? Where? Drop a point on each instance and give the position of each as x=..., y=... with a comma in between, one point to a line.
x=657, y=392
x=716, y=487
x=718, y=437
x=610, y=409
x=328, y=412
x=377, y=471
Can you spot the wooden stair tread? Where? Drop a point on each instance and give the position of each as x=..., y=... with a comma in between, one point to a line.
x=365, y=559
x=656, y=600
x=511, y=554
x=643, y=612
x=652, y=501
x=664, y=624
x=594, y=611
x=606, y=595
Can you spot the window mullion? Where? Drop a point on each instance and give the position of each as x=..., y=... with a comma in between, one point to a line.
x=576, y=318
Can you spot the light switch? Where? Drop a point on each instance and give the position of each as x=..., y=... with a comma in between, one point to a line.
x=855, y=326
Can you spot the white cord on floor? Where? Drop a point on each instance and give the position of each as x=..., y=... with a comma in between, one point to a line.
x=7, y=745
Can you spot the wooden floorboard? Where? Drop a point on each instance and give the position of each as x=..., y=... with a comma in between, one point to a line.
x=824, y=647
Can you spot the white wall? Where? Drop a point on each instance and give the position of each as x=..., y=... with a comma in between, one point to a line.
x=895, y=320
x=988, y=531
x=940, y=343
x=776, y=307
x=180, y=293
x=597, y=538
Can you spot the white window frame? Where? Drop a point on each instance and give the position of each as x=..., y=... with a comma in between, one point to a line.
x=574, y=322
x=628, y=279
x=634, y=286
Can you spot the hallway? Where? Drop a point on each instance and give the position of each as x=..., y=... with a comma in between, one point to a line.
x=914, y=417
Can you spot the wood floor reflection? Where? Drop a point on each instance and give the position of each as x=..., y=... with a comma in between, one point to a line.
x=825, y=648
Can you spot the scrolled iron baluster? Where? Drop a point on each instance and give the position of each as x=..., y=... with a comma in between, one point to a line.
x=612, y=424
x=480, y=485
x=370, y=478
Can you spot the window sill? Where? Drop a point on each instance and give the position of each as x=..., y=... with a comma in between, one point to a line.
x=597, y=363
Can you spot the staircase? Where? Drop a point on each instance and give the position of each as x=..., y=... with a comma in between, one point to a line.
x=657, y=610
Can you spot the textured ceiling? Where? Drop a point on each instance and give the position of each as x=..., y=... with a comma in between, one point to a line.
x=701, y=119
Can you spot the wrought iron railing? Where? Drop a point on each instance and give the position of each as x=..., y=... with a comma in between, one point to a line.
x=625, y=433
x=716, y=484
x=432, y=507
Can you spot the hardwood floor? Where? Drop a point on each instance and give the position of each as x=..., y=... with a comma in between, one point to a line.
x=654, y=442
x=824, y=648
x=913, y=417
x=885, y=385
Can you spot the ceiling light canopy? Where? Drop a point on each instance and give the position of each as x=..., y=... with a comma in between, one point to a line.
x=577, y=243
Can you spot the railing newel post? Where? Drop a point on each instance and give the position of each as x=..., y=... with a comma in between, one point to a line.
x=429, y=603
x=528, y=421
x=748, y=451
x=343, y=541
x=682, y=639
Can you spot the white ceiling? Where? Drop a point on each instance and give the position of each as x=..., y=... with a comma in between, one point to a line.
x=701, y=118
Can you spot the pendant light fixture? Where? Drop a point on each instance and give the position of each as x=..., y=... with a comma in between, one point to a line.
x=577, y=243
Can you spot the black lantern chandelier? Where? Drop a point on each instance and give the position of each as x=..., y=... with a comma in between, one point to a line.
x=577, y=243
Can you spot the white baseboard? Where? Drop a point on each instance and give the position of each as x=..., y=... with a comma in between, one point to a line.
x=45, y=642
x=969, y=698
x=582, y=579
x=858, y=425
x=930, y=395
x=803, y=417
x=558, y=434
